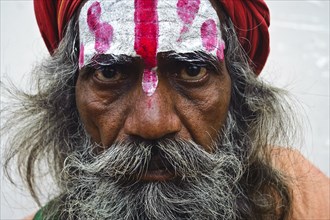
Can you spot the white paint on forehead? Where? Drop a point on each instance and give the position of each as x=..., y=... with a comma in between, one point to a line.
x=120, y=16
x=170, y=26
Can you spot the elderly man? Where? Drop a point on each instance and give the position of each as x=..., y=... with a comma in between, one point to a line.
x=153, y=110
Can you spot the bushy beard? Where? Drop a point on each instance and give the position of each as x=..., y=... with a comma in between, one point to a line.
x=99, y=187
x=108, y=185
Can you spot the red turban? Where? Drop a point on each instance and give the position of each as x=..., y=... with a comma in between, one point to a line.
x=250, y=17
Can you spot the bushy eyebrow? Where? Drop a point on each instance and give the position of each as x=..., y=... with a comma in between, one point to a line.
x=110, y=59
x=196, y=57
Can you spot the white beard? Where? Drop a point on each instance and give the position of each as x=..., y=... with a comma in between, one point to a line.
x=99, y=189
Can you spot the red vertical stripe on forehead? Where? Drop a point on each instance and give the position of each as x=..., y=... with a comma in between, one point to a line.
x=146, y=31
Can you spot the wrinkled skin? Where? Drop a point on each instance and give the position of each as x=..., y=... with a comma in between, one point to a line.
x=187, y=105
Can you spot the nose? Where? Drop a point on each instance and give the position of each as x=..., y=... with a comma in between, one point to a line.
x=153, y=117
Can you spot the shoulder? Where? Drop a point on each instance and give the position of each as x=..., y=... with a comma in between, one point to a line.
x=309, y=186
x=50, y=208
x=34, y=216
x=30, y=217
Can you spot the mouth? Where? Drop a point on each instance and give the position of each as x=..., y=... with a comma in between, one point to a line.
x=159, y=169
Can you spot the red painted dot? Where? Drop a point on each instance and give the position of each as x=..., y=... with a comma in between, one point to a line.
x=103, y=31
x=209, y=35
x=93, y=16
x=81, y=55
x=221, y=50
x=187, y=11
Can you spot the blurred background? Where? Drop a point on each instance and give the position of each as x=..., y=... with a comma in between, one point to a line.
x=298, y=62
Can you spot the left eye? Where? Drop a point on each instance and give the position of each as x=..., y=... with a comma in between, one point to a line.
x=108, y=74
x=192, y=72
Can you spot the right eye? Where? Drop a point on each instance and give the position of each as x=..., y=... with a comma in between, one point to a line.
x=108, y=74
x=192, y=73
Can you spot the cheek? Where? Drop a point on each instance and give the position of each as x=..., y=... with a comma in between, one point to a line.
x=86, y=109
x=100, y=112
x=217, y=107
x=205, y=113
x=215, y=111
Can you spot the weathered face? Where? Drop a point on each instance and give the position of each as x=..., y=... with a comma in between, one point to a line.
x=152, y=70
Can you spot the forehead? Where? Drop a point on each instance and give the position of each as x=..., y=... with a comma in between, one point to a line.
x=120, y=27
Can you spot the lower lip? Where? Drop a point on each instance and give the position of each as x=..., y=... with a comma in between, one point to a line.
x=157, y=175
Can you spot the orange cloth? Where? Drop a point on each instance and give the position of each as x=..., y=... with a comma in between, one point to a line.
x=310, y=187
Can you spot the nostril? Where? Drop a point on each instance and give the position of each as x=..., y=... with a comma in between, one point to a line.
x=151, y=141
x=136, y=139
x=172, y=135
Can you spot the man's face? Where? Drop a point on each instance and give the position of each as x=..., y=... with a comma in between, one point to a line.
x=151, y=71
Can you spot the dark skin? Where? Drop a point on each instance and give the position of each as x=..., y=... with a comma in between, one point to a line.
x=191, y=101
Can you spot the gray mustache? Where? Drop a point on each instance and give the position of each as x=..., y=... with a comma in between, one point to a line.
x=100, y=184
x=127, y=159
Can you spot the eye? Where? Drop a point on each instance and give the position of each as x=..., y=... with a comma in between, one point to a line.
x=192, y=73
x=108, y=74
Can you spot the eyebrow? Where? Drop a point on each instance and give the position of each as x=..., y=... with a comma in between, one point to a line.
x=196, y=57
x=110, y=59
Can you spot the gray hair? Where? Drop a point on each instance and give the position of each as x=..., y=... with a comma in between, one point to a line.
x=47, y=127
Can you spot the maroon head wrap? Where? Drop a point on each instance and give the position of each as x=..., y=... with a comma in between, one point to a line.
x=250, y=17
